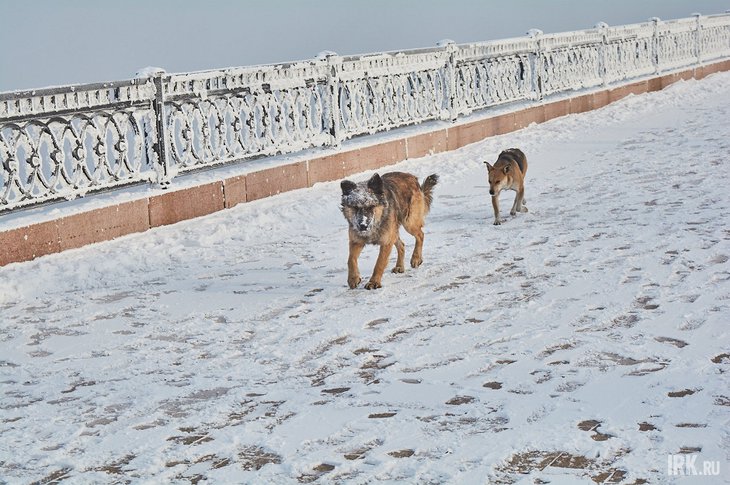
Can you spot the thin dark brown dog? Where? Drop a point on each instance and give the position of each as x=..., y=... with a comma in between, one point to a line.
x=508, y=173
x=375, y=210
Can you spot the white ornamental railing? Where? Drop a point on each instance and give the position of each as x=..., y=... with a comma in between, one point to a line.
x=61, y=143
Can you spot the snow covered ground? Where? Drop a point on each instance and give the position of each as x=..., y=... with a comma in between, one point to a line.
x=585, y=340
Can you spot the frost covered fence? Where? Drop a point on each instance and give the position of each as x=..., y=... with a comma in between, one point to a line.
x=64, y=142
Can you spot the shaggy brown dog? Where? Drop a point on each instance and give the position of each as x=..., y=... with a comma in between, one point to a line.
x=375, y=210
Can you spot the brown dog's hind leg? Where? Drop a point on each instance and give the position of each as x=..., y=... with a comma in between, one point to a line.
x=380, y=264
x=417, y=257
x=353, y=273
x=414, y=226
x=401, y=249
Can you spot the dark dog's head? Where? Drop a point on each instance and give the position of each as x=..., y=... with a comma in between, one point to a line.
x=498, y=176
x=363, y=204
x=501, y=173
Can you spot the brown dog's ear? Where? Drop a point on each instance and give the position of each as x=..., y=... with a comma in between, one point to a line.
x=506, y=169
x=376, y=184
x=347, y=186
x=489, y=166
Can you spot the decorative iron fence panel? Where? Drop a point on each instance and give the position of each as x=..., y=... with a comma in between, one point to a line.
x=676, y=43
x=629, y=51
x=61, y=143
x=384, y=91
x=494, y=73
x=570, y=61
x=216, y=117
x=714, y=37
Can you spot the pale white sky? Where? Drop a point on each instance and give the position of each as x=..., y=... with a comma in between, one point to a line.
x=53, y=42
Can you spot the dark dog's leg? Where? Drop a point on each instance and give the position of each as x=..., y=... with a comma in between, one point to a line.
x=495, y=206
x=522, y=207
x=353, y=273
x=380, y=265
x=401, y=248
x=519, y=199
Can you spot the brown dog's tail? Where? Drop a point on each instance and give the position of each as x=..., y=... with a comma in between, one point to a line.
x=427, y=188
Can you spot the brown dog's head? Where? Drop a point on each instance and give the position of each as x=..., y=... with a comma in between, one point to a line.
x=363, y=204
x=499, y=175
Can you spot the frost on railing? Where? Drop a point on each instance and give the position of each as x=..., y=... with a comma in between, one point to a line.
x=64, y=142
x=493, y=73
x=676, y=43
x=570, y=61
x=629, y=51
x=384, y=91
x=714, y=37
x=215, y=117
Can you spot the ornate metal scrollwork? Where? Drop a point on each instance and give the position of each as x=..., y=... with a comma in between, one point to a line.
x=66, y=156
x=254, y=119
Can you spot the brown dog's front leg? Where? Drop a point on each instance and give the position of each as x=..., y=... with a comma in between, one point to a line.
x=495, y=206
x=353, y=273
x=380, y=265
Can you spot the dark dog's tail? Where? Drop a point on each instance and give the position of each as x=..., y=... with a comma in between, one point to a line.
x=427, y=188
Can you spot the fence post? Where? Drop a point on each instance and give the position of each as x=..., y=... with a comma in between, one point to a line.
x=655, y=44
x=334, y=67
x=537, y=64
x=602, y=68
x=163, y=169
x=698, y=37
x=450, y=49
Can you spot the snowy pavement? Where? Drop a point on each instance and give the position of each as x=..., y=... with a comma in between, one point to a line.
x=585, y=340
